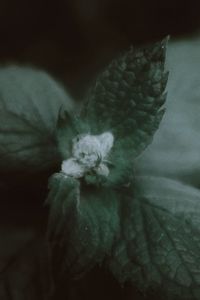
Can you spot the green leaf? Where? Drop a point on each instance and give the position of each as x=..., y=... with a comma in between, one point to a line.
x=29, y=105
x=127, y=97
x=68, y=126
x=127, y=101
x=83, y=222
x=159, y=246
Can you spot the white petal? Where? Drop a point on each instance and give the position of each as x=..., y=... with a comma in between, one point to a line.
x=102, y=170
x=87, y=150
x=71, y=168
x=106, y=141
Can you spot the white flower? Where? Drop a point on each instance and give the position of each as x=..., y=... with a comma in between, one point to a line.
x=102, y=169
x=72, y=168
x=89, y=152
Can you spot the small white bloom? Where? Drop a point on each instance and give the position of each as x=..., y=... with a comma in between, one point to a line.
x=89, y=153
x=106, y=141
x=102, y=170
x=72, y=168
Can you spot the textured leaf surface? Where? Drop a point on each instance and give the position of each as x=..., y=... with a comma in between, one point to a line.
x=68, y=126
x=29, y=105
x=126, y=101
x=128, y=95
x=82, y=225
x=159, y=247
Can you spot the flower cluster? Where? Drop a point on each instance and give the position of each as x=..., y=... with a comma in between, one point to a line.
x=89, y=154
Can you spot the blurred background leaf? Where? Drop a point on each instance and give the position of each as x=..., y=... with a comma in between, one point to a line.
x=175, y=151
x=29, y=104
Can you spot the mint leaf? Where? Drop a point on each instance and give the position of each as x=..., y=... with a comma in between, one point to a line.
x=178, y=198
x=128, y=96
x=29, y=105
x=127, y=101
x=68, y=126
x=158, y=249
x=82, y=225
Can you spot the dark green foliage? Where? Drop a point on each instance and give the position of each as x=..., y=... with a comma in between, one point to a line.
x=68, y=126
x=158, y=249
x=29, y=105
x=83, y=223
x=91, y=220
x=127, y=100
x=127, y=97
x=144, y=230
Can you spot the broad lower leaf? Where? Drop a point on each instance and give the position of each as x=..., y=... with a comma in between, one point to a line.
x=29, y=104
x=159, y=246
x=83, y=222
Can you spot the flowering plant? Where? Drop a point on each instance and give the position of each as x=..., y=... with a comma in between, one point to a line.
x=139, y=228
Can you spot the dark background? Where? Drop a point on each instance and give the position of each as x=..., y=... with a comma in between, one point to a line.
x=73, y=40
